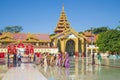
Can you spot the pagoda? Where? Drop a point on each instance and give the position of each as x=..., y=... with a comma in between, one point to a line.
x=63, y=23
x=70, y=41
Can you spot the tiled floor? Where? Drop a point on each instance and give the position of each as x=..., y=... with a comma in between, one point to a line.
x=81, y=70
x=24, y=72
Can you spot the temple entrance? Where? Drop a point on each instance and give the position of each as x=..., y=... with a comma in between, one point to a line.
x=70, y=47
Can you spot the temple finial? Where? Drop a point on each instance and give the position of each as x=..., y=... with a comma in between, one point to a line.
x=62, y=7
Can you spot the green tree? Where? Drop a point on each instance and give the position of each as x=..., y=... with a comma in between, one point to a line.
x=98, y=30
x=52, y=34
x=13, y=29
x=80, y=32
x=118, y=28
x=109, y=41
x=1, y=30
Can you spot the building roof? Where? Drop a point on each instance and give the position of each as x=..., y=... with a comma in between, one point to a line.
x=90, y=37
x=87, y=34
x=43, y=36
x=25, y=36
x=19, y=36
x=63, y=23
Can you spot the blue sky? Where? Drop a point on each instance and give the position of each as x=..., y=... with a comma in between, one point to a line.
x=41, y=16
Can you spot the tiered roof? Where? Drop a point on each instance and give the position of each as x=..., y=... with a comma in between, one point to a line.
x=63, y=23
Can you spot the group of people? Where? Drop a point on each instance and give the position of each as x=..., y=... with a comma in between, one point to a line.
x=16, y=59
x=47, y=59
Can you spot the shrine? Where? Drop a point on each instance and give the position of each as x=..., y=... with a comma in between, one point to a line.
x=68, y=40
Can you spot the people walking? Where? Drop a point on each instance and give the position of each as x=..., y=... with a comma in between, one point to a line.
x=19, y=59
x=67, y=61
x=99, y=58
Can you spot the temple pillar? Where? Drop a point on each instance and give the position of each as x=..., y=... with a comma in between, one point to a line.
x=76, y=47
x=96, y=50
x=37, y=44
x=86, y=50
x=82, y=46
x=55, y=43
x=48, y=44
x=62, y=46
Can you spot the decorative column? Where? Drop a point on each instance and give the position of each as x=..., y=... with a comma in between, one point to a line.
x=96, y=50
x=37, y=44
x=48, y=44
x=55, y=43
x=86, y=49
x=82, y=46
x=76, y=47
x=62, y=46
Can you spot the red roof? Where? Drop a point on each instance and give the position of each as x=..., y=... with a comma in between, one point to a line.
x=88, y=34
x=43, y=36
x=24, y=36
x=94, y=38
x=19, y=36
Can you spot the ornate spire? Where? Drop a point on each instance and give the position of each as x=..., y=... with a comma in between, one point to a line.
x=63, y=23
x=63, y=8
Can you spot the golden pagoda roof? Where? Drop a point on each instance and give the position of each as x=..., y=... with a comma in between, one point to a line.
x=63, y=23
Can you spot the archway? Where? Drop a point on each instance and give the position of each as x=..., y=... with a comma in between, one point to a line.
x=70, y=47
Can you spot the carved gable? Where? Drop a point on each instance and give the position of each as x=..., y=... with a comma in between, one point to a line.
x=71, y=36
x=31, y=37
x=6, y=36
x=69, y=33
x=60, y=36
